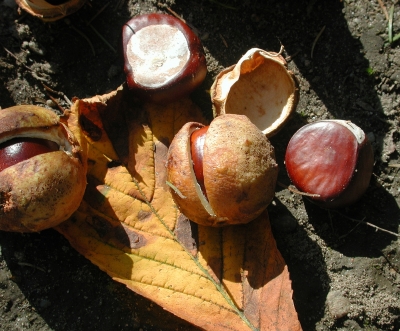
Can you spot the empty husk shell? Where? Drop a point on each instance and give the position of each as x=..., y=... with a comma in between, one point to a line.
x=49, y=11
x=259, y=86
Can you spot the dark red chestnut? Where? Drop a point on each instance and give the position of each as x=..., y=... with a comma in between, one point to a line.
x=331, y=159
x=197, y=139
x=20, y=149
x=163, y=58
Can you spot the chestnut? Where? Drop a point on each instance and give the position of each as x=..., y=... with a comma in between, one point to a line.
x=163, y=58
x=42, y=170
x=331, y=160
x=221, y=174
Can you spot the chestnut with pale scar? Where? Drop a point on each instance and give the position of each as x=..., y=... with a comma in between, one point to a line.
x=163, y=58
x=332, y=160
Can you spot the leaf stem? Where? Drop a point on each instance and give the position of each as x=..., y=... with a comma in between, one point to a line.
x=218, y=286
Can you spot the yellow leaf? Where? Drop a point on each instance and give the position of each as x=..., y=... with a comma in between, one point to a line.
x=231, y=278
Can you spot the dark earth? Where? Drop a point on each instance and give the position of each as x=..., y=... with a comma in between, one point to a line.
x=344, y=264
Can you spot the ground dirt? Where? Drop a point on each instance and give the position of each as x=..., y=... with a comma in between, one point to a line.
x=346, y=275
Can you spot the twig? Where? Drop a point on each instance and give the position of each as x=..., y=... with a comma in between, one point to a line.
x=176, y=15
x=290, y=57
x=196, y=31
x=384, y=9
x=367, y=223
x=34, y=74
x=18, y=60
x=351, y=219
x=223, y=40
x=315, y=41
x=391, y=264
x=102, y=38
x=292, y=189
x=119, y=4
x=56, y=102
x=31, y=265
x=98, y=13
x=58, y=93
x=394, y=165
x=83, y=35
x=223, y=5
x=345, y=235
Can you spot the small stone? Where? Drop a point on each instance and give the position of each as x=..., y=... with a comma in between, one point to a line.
x=371, y=137
x=352, y=325
x=34, y=47
x=50, y=103
x=44, y=303
x=113, y=71
x=338, y=305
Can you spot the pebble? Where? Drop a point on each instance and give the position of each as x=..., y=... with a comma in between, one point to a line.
x=371, y=137
x=50, y=103
x=44, y=303
x=34, y=47
x=113, y=71
x=338, y=305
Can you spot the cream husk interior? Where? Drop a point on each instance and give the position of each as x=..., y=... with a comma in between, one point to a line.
x=258, y=86
x=53, y=134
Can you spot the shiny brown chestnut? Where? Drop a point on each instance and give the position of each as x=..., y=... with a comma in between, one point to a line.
x=42, y=170
x=197, y=139
x=331, y=160
x=163, y=58
x=222, y=174
x=19, y=149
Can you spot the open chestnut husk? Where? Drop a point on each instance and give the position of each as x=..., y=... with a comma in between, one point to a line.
x=259, y=86
x=226, y=174
x=50, y=10
x=42, y=170
x=163, y=58
x=331, y=160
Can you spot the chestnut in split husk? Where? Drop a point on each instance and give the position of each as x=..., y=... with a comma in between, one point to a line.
x=222, y=174
x=331, y=160
x=42, y=170
x=163, y=58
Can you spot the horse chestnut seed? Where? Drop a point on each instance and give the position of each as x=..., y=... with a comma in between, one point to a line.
x=163, y=58
x=222, y=174
x=42, y=170
x=197, y=139
x=331, y=160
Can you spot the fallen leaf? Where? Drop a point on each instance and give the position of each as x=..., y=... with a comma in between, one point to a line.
x=230, y=278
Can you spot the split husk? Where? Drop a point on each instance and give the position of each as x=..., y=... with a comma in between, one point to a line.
x=259, y=86
x=48, y=12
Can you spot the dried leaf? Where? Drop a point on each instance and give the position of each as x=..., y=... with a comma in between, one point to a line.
x=231, y=278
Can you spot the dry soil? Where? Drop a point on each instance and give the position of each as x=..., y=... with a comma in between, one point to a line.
x=346, y=274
